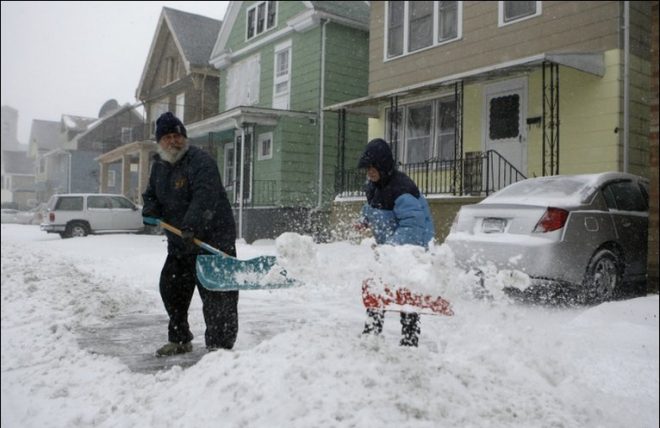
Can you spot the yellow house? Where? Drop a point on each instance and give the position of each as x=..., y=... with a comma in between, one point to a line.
x=475, y=95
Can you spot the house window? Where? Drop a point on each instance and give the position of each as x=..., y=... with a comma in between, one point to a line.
x=282, y=77
x=171, y=69
x=415, y=25
x=229, y=169
x=112, y=178
x=157, y=108
x=418, y=133
x=180, y=104
x=504, y=115
x=265, y=146
x=427, y=130
x=420, y=25
x=261, y=17
x=514, y=11
x=243, y=82
x=447, y=20
x=126, y=135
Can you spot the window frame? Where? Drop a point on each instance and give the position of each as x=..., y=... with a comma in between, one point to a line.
x=435, y=42
x=180, y=106
x=501, y=22
x=267, y=136
x=286, y=95
x=435, y=127
x=252, y=12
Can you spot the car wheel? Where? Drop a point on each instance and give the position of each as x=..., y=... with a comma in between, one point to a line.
x=76, y=229
x=602, y=278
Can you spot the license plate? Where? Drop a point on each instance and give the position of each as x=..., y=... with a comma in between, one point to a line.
x=493, y=225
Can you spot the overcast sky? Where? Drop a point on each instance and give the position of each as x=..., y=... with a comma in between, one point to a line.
x=71, y=57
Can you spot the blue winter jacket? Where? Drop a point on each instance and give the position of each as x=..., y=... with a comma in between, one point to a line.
x=409, y=222
x=396, y=210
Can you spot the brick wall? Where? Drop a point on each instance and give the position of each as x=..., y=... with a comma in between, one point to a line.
x=653, y=155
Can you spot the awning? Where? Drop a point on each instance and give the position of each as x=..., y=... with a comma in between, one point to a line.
x=127, y=149
x=243, y=115
x=588, y=62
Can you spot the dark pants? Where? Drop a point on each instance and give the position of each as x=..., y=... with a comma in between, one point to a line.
x=409, y=326
x=178, y=280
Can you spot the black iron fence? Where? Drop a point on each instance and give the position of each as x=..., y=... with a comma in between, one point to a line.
x=478, y=174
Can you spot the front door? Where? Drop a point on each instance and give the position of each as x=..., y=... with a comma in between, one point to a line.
x=505, y=107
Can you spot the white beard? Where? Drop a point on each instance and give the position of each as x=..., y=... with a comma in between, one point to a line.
x=172, y=155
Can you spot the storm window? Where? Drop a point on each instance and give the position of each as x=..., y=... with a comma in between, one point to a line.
x=427, y=130
x=514, y=11
x=415, y=25
x=261, y=17
x=282, y=77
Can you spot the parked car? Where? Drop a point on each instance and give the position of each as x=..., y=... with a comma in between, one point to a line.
x=82, y=214
x=33, y=216
x=9, y=215
x=584, y=235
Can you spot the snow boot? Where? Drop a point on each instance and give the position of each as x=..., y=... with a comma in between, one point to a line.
x=172, y=348
x=374, y=323
x=409, y=329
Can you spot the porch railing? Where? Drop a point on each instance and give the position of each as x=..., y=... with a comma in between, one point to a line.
x=477, y=174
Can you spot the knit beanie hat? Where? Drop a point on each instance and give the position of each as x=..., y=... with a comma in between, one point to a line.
x=167, y=123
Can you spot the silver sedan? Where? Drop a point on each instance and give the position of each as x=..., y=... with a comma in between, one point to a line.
x=579, y=235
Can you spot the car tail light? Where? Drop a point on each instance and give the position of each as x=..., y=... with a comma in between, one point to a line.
x=51, y=217
x=552, y=219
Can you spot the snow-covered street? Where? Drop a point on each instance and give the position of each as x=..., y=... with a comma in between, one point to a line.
x=300, y=359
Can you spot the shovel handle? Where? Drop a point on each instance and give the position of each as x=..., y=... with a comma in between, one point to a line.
x=199, y=243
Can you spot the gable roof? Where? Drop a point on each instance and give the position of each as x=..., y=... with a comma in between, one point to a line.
x=17, y=163
x=98, y=122
x=349, y=13
x=76, y=123
x=194, y=36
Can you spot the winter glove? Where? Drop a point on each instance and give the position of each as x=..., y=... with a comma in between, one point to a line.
x=150, y=221
x=189, y=241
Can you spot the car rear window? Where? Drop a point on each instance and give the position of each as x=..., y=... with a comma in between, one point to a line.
x=69, y=203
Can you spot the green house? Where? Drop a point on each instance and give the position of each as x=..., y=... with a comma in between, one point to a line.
x=279, y=152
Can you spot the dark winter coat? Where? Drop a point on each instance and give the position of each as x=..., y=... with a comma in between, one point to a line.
x=190, y=196
x=396, y=211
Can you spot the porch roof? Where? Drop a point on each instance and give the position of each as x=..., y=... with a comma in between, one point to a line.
x=127, y=149
x=588, y=62
x=236, y=117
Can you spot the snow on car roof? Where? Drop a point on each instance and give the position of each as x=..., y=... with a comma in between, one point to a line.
x=568, y=190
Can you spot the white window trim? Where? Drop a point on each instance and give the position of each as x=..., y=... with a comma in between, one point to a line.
x=260, y=140
x=112, y=178
x=227, y=180
x=276, y=80
x=266, y=28
x=500, y=14
x=180, y=105
x=403, y=140
x=435, y=44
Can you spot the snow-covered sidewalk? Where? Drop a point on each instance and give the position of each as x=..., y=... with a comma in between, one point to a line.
x=300, y=360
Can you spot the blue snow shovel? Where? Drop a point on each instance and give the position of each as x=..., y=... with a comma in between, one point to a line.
x=222, y=272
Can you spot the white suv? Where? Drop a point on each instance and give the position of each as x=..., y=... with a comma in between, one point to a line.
x=81, y=214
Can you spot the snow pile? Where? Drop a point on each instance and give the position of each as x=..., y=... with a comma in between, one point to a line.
x=297, y=254
x=300, y=359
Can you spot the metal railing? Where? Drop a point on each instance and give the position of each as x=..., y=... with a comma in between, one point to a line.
x=477, y=174
x=263, y=193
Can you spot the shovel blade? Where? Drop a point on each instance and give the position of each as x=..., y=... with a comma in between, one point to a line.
x=220, y=273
